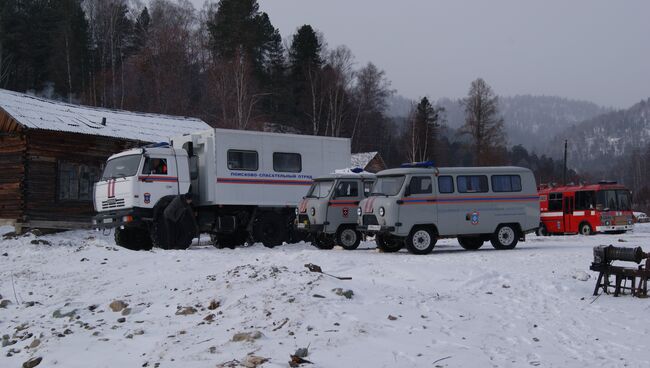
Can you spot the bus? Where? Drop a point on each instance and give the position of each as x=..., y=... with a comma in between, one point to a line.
x=605, y=207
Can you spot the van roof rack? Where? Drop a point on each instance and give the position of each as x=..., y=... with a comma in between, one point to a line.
x=423, y=164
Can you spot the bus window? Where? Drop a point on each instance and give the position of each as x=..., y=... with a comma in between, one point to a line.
x=555, y=202
x=606, y=200
x=624, y=200
x=585, y=200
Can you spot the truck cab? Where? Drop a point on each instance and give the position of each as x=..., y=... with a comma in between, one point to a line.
x=328, y=212
x=415, y=205
x=132, y=183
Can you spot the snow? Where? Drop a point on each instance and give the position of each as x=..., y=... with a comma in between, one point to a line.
x=39, y=113
x=362, y=160
x=519, y=308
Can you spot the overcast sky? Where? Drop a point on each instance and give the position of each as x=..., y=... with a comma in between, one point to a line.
x=597, y=50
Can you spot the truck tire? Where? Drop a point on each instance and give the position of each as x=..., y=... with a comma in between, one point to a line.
x=323, y=241
x=230, y=241
x=388, y=244
x=159, y=232
x=421, y=240
x=470, y=242
x=505, y=237
x=271, y=229
x=585, y=229
x=542, y=230
x=348, y=238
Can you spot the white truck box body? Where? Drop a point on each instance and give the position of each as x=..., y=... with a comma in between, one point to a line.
x=218, y=185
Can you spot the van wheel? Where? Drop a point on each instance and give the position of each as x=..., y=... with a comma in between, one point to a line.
x=585, y=229
x=323, y=241
x=542, y=230
x=470, y=242
x=348, y=238
x=505, y=237
x=421, y=241
x=388, y=244
x=271, y=229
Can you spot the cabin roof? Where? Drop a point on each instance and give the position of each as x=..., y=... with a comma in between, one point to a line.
x=33, y=112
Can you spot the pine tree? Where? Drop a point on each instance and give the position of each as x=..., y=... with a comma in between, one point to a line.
x=141, y=30
x=423, y=132
x=483, y=123
x=306, y=67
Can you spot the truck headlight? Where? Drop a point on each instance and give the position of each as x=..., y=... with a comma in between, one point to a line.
x=382, y=211
x=629, y=221
x=313, y=211
x=607, y=223
x=359, y=211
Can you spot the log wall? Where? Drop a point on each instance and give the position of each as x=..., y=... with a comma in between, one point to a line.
x=12, y=173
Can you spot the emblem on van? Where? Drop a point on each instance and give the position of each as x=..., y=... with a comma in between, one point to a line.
x=346, y=212
x=474, y=217
x=147, y=198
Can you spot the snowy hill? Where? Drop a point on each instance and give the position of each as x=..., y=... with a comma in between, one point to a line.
x=80, y=301
x=602, y=139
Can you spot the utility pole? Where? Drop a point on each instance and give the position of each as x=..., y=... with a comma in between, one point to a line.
x=564, y=169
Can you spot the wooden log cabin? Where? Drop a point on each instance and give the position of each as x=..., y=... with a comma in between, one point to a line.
x=369, y=161
x=52, y=153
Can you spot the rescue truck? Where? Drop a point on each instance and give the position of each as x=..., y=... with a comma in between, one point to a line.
x=244, y=186
x=605, y=207
x=418, y=204
x=329, y=211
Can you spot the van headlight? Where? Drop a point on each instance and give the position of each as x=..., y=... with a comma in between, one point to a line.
x=382, y=211
x=313, y=211
x=297, y=210
x=359, y=211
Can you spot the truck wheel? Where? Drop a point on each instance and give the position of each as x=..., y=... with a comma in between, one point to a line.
x=271, y=229
x=505, y=237
x=323, y=241
x=585, y=229
x=133, y=238
x=231, y=241
x=542, y=230
x=470, y=242
x=420, y=241
x=159, y=233
x=388, y=244
x=348, y=238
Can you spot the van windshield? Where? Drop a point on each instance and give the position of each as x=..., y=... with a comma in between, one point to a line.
x=388, y=185
x=122, y=167
x=320, y=189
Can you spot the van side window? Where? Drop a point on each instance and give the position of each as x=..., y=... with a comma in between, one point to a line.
x=420, y=185
x=506, y=183
x=242, y=160
x=287, y=162
x=367, y=188
x=555, y=202
x=472, y=183
x=445, y=184
x=347, y=189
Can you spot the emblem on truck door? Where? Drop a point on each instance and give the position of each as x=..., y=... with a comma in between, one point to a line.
x=346, y=212
x=147, y=198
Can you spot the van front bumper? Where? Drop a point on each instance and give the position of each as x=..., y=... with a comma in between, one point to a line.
x=375, y=229
x=309, y=228
x=113, y=219
x=604, y=229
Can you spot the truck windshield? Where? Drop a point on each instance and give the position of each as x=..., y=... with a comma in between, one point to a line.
x=320, y=189
x=122, y=167
x=614, y=200
x=388, y=185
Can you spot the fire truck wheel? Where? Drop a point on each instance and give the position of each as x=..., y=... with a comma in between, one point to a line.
x=388, y=244
x=505, y=237
x=470, y=242
x=323, y=241
x=421, y=240
x=348, y=238
x=271, y=229
x=585, y=229
x=542, y=231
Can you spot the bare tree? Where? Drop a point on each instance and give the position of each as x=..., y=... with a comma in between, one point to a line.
x=371, y=93
x=483, y=123
x=338, y=76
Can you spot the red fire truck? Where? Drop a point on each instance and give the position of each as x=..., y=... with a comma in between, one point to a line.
x=605, y=207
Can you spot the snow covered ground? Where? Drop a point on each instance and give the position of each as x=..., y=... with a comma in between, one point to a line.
x=453, y=308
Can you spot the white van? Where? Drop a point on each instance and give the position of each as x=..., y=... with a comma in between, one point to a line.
x=417, y=204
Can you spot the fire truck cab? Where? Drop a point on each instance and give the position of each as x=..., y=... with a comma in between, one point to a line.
x=605, y=207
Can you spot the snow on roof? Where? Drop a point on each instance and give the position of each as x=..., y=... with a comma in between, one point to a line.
x=39, y=113
x=362, y=159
